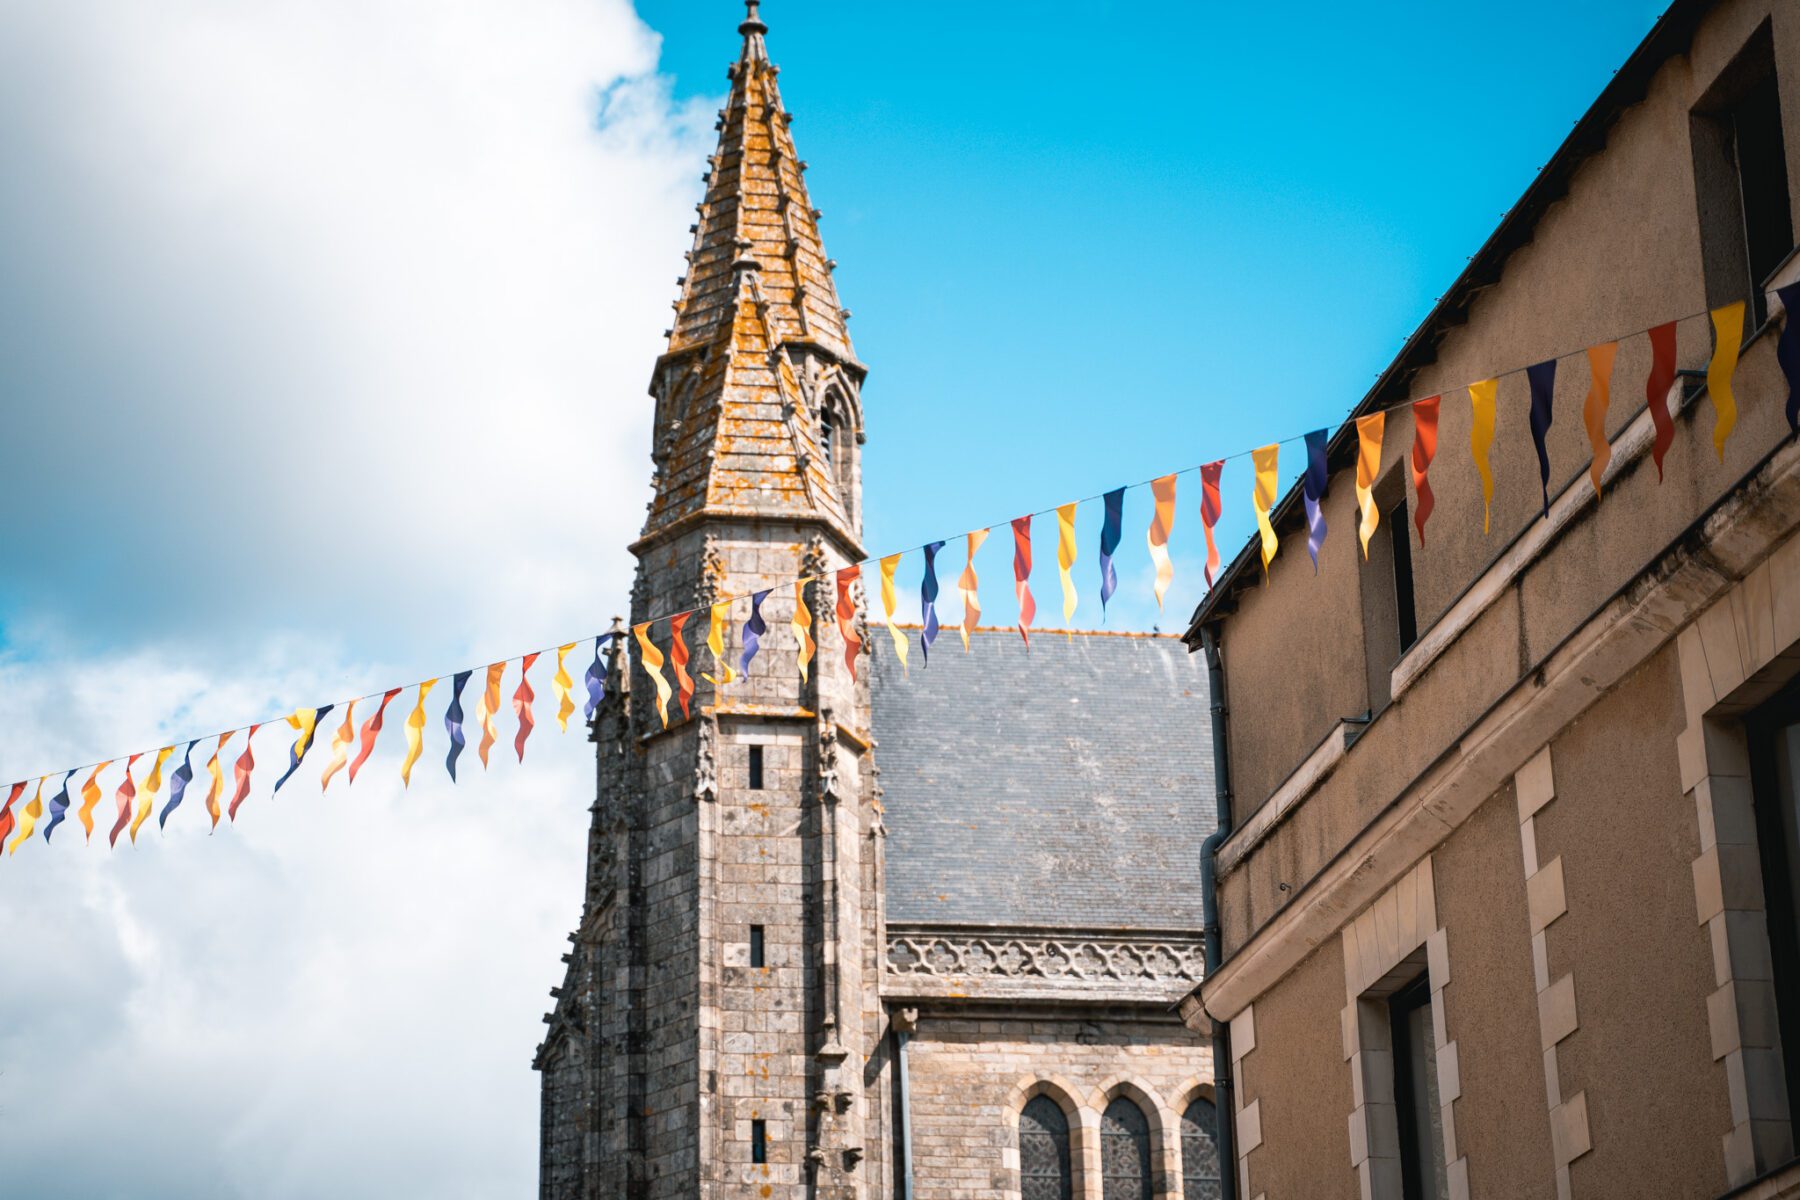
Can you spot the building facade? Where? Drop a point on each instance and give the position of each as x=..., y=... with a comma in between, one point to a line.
x=1509, y=894
x=846, y=932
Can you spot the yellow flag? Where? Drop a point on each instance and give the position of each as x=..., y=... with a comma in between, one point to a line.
x=1263, y=499
x=715, y=642
x=152, y=785
x=415, y=733
x=652, y=659
x=490, y=704
x=340, y=746
x=889, y=565
x=1065, y=560
x=562, y=682
x=1728, y=337
x=967, y=586
x=1481, y=440
x=1368, y=465
x=803, y=626
x=28, y=819
x=1162, y=523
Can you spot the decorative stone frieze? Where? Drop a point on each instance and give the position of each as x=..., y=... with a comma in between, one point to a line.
x=1060, y=963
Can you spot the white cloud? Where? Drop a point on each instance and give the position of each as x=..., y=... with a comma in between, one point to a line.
x=323, y=338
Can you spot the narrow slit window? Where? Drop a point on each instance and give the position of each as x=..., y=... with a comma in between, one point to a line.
x=756, y=768
x=1405, y=615
x=756, y=946
x=759, y=1141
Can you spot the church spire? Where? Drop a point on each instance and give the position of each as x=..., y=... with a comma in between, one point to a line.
x=759, y=362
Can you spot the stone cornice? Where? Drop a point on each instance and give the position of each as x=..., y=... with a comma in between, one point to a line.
x=949, y=962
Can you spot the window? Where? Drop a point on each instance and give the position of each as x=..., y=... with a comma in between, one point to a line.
x=1740, y=178
x=1124, y=1152
x=1390, y=622
x=1400, y=535
x=756, y=946
x=1420, y=1121
x=827, y=436
x=1044, y=1152
x=756, y=768
x=1774, y=734
x=1200, y=1151
x=759, y=1141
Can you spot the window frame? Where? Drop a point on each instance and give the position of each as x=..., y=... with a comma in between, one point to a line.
x=1780, y=872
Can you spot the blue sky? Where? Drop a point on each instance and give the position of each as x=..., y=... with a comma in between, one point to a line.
x=325, y=327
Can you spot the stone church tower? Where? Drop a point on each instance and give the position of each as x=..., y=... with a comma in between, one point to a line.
x=717, y=1030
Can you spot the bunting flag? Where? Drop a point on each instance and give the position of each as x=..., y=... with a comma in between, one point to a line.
x=889, y=604
x=1657, y=388
x=90, y=796
x=486, y=707
x=1369, y=432
x=1162, y=524
x=1313, y=493
x=215, y=789
x=147, y=797
x=453, y=721
x=802, y=625
x=415, y=733
x=1593, y=410
x=1111, y=530
x=28, y=817
x=341, y=742
x=59, y=805
x=678, y=659
x=1265, y=462
x=715, y=642
x=7, y=817
x=241, y=770
x=123, y=799
x=846, y=617
x=595, y=679
x=564, y=683
x=1065, y=561
x=1021, y=528
x=968, y=585
x=652, y=661
x=178, y=782
x=754, y=629
x=1482, y=402
x=1542, y=377
x=521, y=701
x=370, y=731
x=305, y=721
x=1728, y=338
x=1787, y=351
x=1424, y=449
x=928, y=594
x=1212, y=506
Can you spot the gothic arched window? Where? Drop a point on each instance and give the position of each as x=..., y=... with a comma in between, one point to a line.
x=1124, y=1152
x=1199, y=1152
x=828, y=440
x=1044, y=1152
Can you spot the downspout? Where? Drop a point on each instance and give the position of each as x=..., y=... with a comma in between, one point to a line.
x=902, y=1033
x=1224, y=1106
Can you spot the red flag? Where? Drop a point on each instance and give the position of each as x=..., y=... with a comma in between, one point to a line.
x=1210, y=509
x=124, y=796
x=522, y=698
x=246, y=763
x=370, y=731
x=1022, y=575
x=678, y=658
x=846, y=616
x=1656, y=390
x=6, y=813
x=1424, y=449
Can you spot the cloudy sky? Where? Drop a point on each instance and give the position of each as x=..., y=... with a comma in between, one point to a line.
x=324, y=331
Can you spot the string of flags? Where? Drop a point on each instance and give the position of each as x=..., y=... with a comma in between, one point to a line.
x=135, y=799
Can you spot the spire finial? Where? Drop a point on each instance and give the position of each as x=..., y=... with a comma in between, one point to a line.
x=753, y=23
x=752, y=30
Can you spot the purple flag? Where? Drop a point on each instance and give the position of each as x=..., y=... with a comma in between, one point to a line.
x=596, y=678
x=453, y=722
x=1110, y=530
x=1314, y=493
x=59, y=805
x=754, y=628
x=184, y=775
x=1543, y=388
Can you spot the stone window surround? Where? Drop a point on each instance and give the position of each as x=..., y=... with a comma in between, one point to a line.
x=1385, y=947
x=1083, y=1107
x=1737, y=653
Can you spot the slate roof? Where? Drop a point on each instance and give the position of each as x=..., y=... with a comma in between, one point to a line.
x=1069, y=786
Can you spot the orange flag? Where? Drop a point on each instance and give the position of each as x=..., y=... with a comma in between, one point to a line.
x=652, y=660
x=1593, y=413
x=490, y=704
x=1162, y=522
x=217, y=788
x=1424, y=449
x=846, y=616
x=370, y=731
x=967, y=586
x=1368, y=463
x=522, y=698
x=90, y=796
x=1021, y=528
x=678, y=658
x=340, y=746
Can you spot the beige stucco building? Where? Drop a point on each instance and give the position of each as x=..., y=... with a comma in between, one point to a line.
x=1508, y=904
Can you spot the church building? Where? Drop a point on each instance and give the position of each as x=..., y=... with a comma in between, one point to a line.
x=868, y=929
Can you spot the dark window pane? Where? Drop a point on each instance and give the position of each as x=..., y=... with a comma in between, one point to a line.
x=1124, y=1152
x=756, y=768
x=1199, y=1152
x=1774, y=734
x=1416, y=1098
x=1044, y=1152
